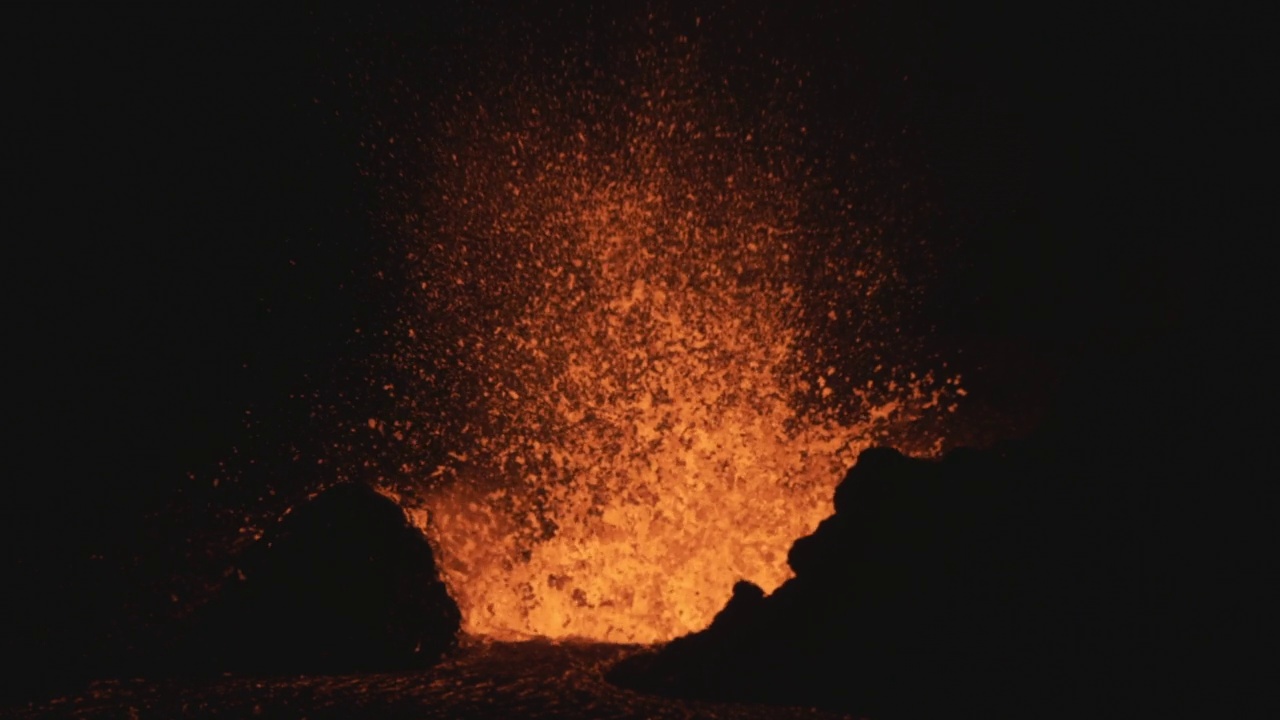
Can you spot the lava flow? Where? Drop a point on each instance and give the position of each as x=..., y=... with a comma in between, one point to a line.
x=607, y=355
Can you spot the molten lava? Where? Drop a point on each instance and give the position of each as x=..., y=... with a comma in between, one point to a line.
x=607, y=379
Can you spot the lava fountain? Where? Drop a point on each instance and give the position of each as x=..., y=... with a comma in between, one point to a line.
x=609, y=375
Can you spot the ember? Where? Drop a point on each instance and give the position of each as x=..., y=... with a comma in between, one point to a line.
x=616, y=282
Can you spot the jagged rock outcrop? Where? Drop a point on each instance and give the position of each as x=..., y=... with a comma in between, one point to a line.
x=985, y=584
x=344, y=583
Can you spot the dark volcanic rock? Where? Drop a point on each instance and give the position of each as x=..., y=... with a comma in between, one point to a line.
x=343, y=583
x=987, y=584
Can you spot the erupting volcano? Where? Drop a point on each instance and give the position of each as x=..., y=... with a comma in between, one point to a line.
x=637, y=360
x=611, y=394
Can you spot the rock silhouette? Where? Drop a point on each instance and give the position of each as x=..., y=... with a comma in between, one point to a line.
x=985, y=584
x=344, y=583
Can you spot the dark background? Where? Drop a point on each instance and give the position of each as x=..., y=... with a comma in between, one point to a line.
x=188, y=237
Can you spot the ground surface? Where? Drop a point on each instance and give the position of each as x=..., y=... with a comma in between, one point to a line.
x=481, y=680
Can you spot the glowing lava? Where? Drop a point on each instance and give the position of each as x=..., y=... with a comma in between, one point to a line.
x=605, y=355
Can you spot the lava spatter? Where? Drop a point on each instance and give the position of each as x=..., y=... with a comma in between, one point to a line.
x=608, y=400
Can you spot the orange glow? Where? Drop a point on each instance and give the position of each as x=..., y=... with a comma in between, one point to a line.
x=608, y=336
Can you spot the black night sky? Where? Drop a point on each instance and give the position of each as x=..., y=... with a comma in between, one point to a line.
x=189, y=238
